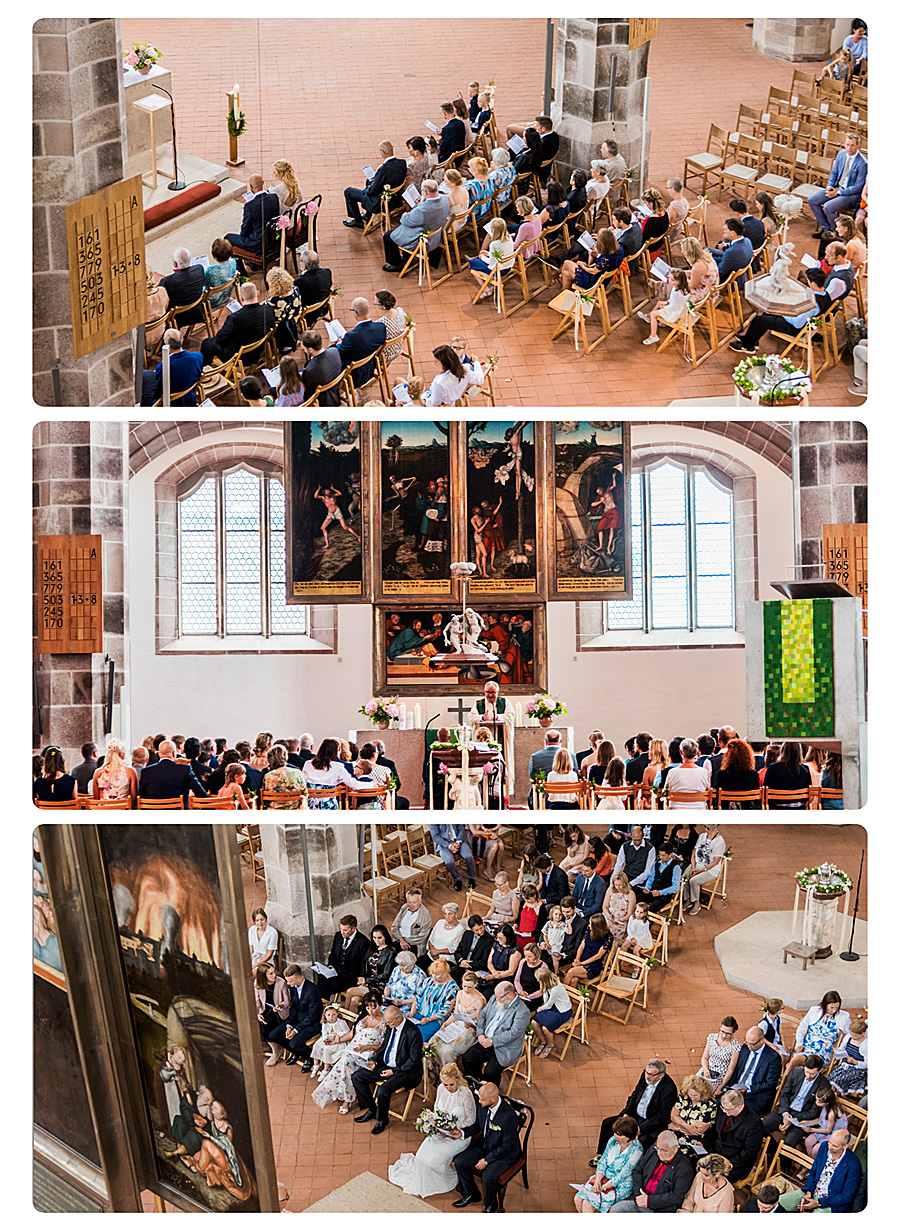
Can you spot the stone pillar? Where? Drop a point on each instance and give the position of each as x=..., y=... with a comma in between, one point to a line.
x=833, y=483
x=584, y=50
x=334, y=876
x=794, y=38
x=79, y=148
x=80, y=476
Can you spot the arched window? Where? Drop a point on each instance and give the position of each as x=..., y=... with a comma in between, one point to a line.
x=231, y=557
x=682, y=550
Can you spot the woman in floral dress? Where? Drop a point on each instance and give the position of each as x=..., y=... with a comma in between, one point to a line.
x=720, y=1053
x=693, y=1113
x=436, y=999
x=115, y=780
x=405, y=983
x=283, y=778
x=612, y=1180
x=618, y=905
x=367, y=1037
x=819, y=1030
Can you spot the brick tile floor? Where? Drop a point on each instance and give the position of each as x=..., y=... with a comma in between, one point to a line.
x=317, y=1150
x=324, y=92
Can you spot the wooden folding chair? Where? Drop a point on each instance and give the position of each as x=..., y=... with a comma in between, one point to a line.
x=706, y=796
x=353, y=389
x=597, y=792
x=160, y=804
x=178, y=394
x=325, y=306
x=249, y=842
x=69, y=805
x=214, y=292
x=497, y=280
x=339, y=381
x=282, y=800
x=375, y=793
x=688, y=326
x=211, y=804
x=726, y=796
x=742, y=171
x=673, y=911
x=715, y=887
x=476, y=900
x=802, y=83
x=577, y=1025
x=696, y=220
x=659, y=930
x=523, y=1066
x=780, y=162
x=107, y=804
x=748, y=123
x=551, y=789
x=418, y=255
x=617, y=984
x=323, y=793
x=786, y=795
x=708, y=161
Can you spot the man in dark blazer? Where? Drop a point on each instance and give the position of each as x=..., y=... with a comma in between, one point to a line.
x=314, y=284
x=307, y=743
x=754, y=228
x=362, y=341
x=757, y=1072
x=473, y=949
x=841, y=1187
x=185, y=284
x=390, y=174
x=303, y=1019
x=258, y=212
x=723, y=737
x=249, y=323
x=167, y=779
x=254, y=776
x=575, y=928
x=554, y=884
x=667, y=1170
x=184, y=370
x=397, y=1062
x=322, y=366
x=634, y=769
x=650, y=1105
x=216, y=779
x=735, y=252
x=401, y=804
x=589, y=888
x=736, y=1133
x=495, y=1147
x=797, y=1099
x=765, y=1200
x=452, y=137
x=348, y=957
x=549, y=143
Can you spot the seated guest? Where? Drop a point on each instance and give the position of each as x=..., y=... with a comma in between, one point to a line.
x=627, y=231
x=497, y=1124
x=662, y=884
x=592, y=951
x=554, y=1011
x=284, y=299
x=525, y=981
x=706, y=862
x=598, y=185
x=833, y=1181
x=302, y=1022
x=166, y=779
x=850, y=1074
x=577, y=847
x=500, y=1035
x=459, y=197
x=549, y=145
x=497, y=248
x=412, y=925
x=185, y=284
x=262, y=939
x=838, y=69
x=336, y=1036
x=251, y=391
x=262, y=207
x=661, y=1179
x=428, y=1171
x=797, y=1101
x=325, y=771
x=361, y=341
x=417, y=162
x=282, y=779
x=857, y=43
x=757, y=1072
x=616, y=165
x=765, y=1200
x=483, y=115
x=249, y=324
x=397, y=1064
x=528, y=231
x=289, y=391
x=755, y=228
x=377, y=967
x=562, y=773
x=636, y=858
x=503, y=960
x=475, y=377
x=390, y=174
x=656, y=223
x=678, y=207
x=436, y=998
x=185, y=367
x=452, y=136
x=451, y=381
x=650, y=1105
x=575, y=927
x=687, y=778
x=598, y=763
x=589, y=888
x=451, y=841
x=528, y=159
x=738, y=771
x=692, y=1113
x=843, y=192
x=349, y=948
x=586, y=273
x=474, y=100
x=429, y=214
x=577, y=195
x=54, y=784
x=675, y=307
x=734, y=251
x=446, y=934
x=820, y=1028
x=611, y=1180
x=473, y=949
x=711, y=1191
x=479, y=186
x=314, y=284
x=830, y=1118
x=322, y=366
x=221, y=269
x=501, y=175
x=736, y=1134
x=619, y=905
x=273, y=1004
x=405, y=982
x=553, y=883
x=788, y=773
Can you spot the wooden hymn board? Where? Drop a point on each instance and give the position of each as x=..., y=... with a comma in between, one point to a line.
x=70, y=594
x=845, y=553
x=107, y=269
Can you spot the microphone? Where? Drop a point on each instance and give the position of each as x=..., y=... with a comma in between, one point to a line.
x=177, y=185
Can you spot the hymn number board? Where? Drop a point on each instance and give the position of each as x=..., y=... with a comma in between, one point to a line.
x=70, y=594
x=107, y=270
x=845, y=551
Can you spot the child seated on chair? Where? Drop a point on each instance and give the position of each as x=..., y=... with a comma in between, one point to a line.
x=235, y=776
x=336, y=1035
x=553, y=935
x=638, y=941
x=840, y=67
x=671, y=311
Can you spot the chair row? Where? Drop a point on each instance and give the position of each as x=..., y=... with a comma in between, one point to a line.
x=346, y=799
x=636, y=797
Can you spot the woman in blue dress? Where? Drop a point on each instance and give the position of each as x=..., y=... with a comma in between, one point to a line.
x=819, y=1030
x=436, y=999
x=405, y=984
x=479, y=187
x=612, y=1179
x=221, y=270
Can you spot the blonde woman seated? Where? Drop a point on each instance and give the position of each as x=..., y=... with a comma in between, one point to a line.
x=497, y=248
x=285, y=184
x=115, y=780
x=459, y=196
x=592, y=952
x=562, y=772
x=577, y=849
x=613, y=778
x=428, y=1171
x=659, y=759
x=710, y=1191
x=703, y=276
x=554, y=1012
x=479, y=187
x=693, y=1113
x=457, y=1033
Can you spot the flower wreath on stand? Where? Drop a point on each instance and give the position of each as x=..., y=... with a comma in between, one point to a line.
x=237, y=126
x=826, y=880
x=787, y=392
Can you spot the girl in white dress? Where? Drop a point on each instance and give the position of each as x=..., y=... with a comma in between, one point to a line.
x=427, y=1172
x=638, y=938
x=553, y=935
x=336, y=1035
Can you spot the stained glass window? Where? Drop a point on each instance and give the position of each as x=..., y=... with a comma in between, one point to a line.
x=231, y=550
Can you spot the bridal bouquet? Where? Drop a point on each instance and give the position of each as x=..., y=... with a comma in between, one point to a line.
x=435, y=1122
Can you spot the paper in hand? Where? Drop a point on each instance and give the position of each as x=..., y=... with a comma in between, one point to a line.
x=369, y=171
x=515, y=143
x=334, y=329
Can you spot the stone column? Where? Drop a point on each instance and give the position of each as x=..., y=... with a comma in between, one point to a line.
x=79, y=148
x=334, y=876
x=584, y=50
x=794, y=38
x=80, y=476
x=833, y=483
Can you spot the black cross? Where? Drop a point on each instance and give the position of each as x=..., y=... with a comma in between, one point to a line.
x=458, y=710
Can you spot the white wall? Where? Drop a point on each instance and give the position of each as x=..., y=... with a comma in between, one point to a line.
x=679, y=691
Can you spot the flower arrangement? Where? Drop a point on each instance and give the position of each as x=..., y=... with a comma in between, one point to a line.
x=826, y=879
x=237, y=126
x=283, y=221
x=498, y=254
x=435, y=1122
x=539, y=781
x=380, y=711
x=787, y=392
x=142, y=56
x=542, y=706
x=491, y=362
x=336, y=292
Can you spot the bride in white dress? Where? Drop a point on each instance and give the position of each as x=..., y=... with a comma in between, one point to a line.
x=427, y=1172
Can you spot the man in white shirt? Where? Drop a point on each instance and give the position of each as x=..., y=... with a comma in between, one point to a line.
x=412, y=925
x=598, y=184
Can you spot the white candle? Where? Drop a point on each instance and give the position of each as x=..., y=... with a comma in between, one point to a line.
x=417, y=712
x=237, y=100
x=403, y=715
x=518, y=712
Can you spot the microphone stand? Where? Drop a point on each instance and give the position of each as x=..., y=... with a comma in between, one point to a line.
x=177, y=185
x=850, y=954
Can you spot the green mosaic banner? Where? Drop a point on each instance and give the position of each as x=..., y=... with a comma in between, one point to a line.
x=798, y=668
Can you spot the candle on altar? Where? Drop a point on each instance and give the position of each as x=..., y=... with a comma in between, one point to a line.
x=403, y=715
x=518, y=712
x=417, y=713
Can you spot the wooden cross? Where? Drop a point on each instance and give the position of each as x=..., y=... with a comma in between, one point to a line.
x=457, y=710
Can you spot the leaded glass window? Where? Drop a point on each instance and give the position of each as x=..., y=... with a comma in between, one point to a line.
x=231, y=557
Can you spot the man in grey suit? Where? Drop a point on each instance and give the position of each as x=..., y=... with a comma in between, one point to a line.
x=500, y=1036
x=542, y=761
x=430, y=214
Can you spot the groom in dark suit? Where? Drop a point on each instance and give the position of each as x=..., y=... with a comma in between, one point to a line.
x=398, y=1062
x=390, y=174
x=258, y=212
x=303, y=1019
x=497, y=1123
